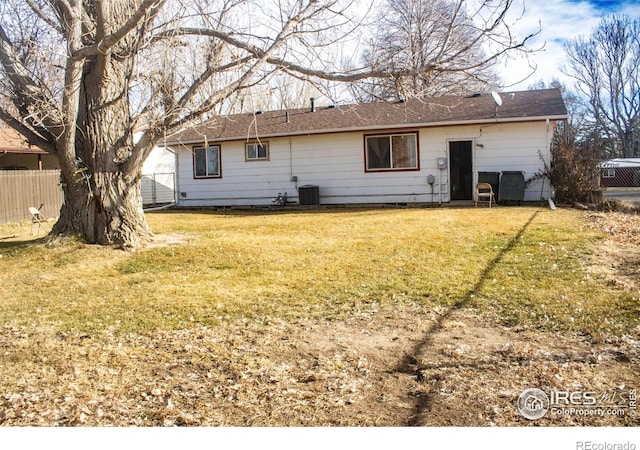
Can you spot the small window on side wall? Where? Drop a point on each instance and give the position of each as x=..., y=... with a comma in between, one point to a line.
x=608, y=173
x=256, y=151
x=391, y=152
x=206, y=162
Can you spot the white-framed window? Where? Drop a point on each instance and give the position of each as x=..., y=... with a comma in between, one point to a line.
x=206, y=162
x=256, y=151
x=385, y=152
x=608, y=173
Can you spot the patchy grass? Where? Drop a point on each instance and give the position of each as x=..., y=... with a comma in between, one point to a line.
x=522, y=264
x=541, y=280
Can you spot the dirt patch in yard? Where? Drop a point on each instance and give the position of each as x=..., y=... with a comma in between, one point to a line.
x=167, y=240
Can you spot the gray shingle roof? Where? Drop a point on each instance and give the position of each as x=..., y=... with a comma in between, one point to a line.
x=447, y=110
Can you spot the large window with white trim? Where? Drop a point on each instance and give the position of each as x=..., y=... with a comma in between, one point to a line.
x=391, y=152
x=206, y=161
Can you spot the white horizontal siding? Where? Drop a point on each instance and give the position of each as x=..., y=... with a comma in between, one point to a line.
x=517, y=147
x=335, y=163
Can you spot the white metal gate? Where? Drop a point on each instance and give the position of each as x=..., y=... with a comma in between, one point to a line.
x=158, y=188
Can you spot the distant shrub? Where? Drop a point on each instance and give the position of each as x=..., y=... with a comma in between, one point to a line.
x=574, y=173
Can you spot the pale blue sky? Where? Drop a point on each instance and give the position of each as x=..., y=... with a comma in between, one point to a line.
x=560, y=20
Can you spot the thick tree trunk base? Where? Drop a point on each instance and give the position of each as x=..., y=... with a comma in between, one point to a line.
x=125, y=238
x=107, y=212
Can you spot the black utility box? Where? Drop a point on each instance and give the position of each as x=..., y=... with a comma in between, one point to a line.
x=493, y=178
x=309, y=195
x=512, y=187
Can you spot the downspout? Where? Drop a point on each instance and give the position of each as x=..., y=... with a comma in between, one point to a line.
x=160, y=208
x=548, y=148
x=290, y=160
x=440, y=187
x=176, y=178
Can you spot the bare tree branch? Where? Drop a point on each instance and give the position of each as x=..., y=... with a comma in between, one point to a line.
x=28, y=132
x=27, y=94
x=604, y=66
x=439, y=47
x=44, y=16
x=147, y=7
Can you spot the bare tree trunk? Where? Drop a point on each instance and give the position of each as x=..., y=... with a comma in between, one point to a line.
x=103, y=210
x=103, y=201
x=102, y=204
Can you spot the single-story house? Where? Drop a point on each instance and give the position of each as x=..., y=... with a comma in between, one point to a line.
x=17, y=154
x=620, y=172
x=429, y=150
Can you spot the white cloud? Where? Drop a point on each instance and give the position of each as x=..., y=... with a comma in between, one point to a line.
x=560, y=20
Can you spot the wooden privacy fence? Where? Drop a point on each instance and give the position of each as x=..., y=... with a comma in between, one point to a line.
x=20, y=189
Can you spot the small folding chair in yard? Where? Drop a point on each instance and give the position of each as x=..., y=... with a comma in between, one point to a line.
x=38, y=218
x=485, y=194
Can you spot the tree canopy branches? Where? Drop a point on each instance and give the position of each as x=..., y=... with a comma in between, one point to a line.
x=605, y=67
x=458, y=43
x=232, y=48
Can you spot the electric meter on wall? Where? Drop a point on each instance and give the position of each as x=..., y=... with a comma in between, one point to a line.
x=442, y=163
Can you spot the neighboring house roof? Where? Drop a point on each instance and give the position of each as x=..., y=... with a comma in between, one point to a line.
x=436, y=111
x=23, y=150
x=620, y=163
x=12, y=142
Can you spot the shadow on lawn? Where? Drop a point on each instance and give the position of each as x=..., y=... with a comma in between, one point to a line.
x=408, y=364
x=6, y=244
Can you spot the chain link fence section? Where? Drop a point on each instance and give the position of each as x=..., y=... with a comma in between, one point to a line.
x=620, y=179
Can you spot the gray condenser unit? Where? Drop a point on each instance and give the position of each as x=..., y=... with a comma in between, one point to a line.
x=512, y=187
x=309, y=195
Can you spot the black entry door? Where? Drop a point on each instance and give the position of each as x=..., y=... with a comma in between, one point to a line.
x=461, y=170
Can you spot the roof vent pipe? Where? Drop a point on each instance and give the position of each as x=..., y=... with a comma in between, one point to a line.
x=313, y=104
